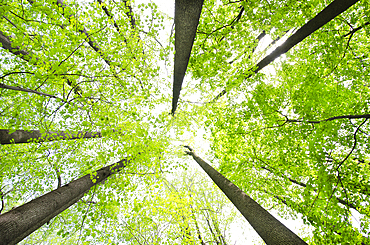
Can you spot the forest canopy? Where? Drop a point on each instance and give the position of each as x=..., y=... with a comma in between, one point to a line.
x=86, y=86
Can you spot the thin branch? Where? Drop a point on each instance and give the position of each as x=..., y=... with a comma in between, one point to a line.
x=367, y=116
x=16, y=72
x=354, y=144
x=28, y=91
x=356, y=29
x=330, y=12
x=110, y=16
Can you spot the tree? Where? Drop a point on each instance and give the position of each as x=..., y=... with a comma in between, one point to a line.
x=22, y=221
x=61, y=77
x=305, y=120
x=293, y=135
x=187, y=15
x=23, y=136
x=267, y=226
x=196, y=213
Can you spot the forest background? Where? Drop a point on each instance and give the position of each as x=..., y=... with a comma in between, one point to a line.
x=294, y=136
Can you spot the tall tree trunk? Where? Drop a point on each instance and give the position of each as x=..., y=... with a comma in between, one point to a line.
x=187, y=13
x=330, y=12
x=27, y=136
x=272, y=231
x=18, y=223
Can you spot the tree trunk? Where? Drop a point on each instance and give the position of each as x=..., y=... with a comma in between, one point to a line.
x=330, y=12
x=28, y=136
x=18, y=223
x=187, y=13
x=272, y=231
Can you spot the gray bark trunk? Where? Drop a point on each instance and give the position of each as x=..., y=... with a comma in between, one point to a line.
x=27, y=136
x=187, y=13
x=18, y=223
x=272, y=231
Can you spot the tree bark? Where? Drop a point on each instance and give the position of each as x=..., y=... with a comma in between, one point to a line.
x=4, y=86
x=330, y=12
x=187, y=13
x=20, y=222
x=7, y=44
x=272, y=231
x=28, y=136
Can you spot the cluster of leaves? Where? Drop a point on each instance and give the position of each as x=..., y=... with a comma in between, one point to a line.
x=195, y=212
x=298, y=135
x=79, y=67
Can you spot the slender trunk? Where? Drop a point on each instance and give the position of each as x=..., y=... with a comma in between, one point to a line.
x=27, y=136
x=197, y=226
x=110, y=16
x=258, y=39
x=94, y=45
x=212, y=232
x=272, y=231
x=330, y=12
x=217, y=228
x=187, y=15
x=20, y=222
x=186, y=231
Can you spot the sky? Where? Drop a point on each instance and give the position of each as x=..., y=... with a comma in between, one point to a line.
x=242, y=232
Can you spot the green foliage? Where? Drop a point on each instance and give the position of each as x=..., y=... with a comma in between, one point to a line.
x=270, y=133
x=285, y=135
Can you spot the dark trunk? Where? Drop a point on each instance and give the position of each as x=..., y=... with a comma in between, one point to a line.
x=187, y=13
x=330, y=12
x=27, y=136
x=267, y=226
x=197, y=226
x=18, y=223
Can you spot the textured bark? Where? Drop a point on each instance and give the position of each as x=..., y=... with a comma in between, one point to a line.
x=7, y=44
x=18, y=223
x=272, y=231
x=187, y=13
x=27, y=136
x=330, y=12
x=4, y=86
